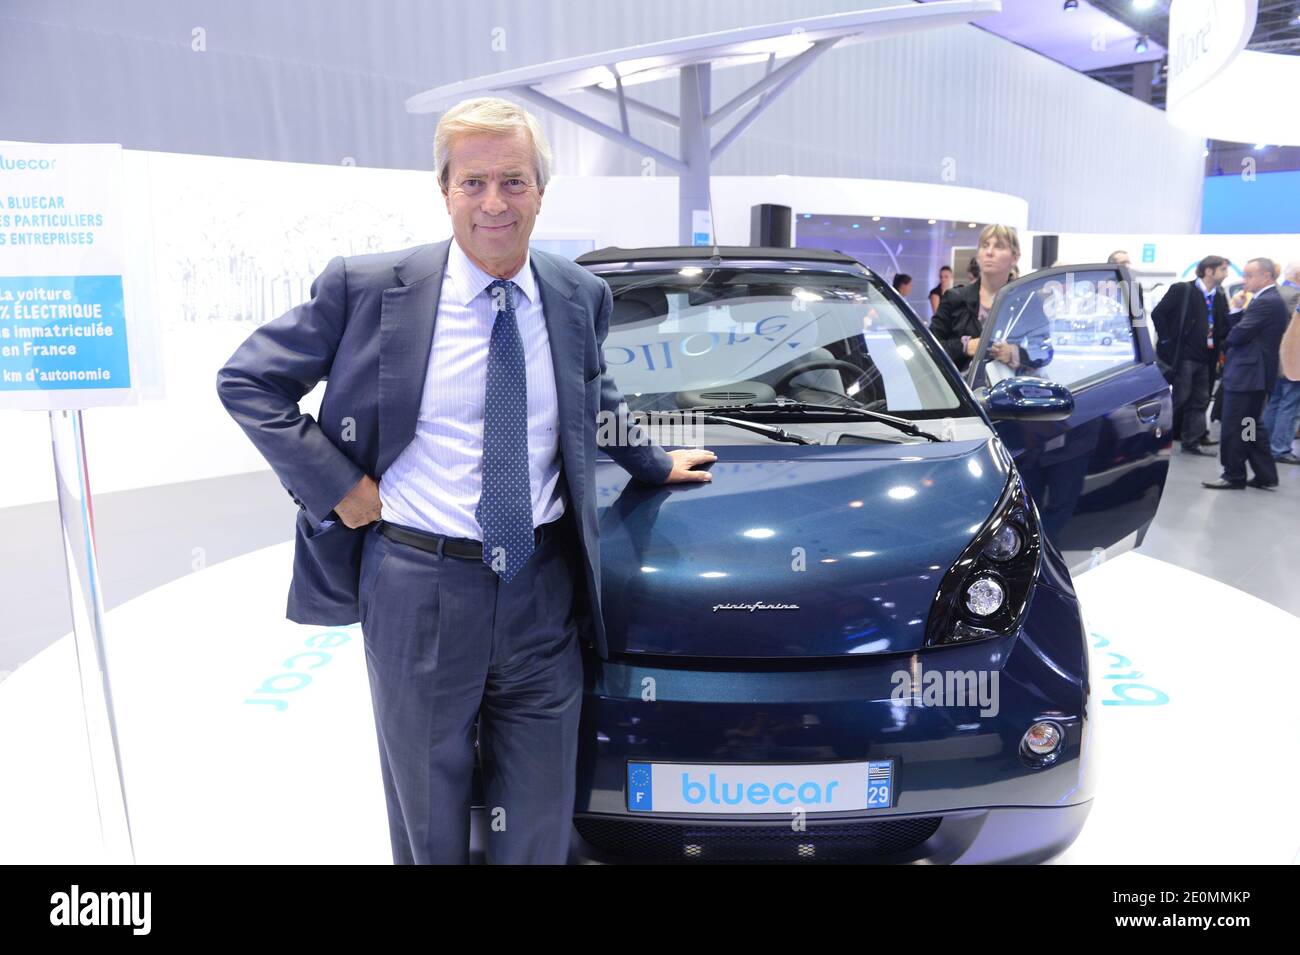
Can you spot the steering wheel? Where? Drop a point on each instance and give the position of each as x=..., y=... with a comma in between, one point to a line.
x=813, y=364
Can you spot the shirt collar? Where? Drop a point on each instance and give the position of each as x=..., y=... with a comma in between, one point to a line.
x=1201, y=285
x=1265, y=289
x=470, y=281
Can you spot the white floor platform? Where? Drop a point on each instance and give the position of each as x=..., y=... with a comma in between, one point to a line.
x=254, y=742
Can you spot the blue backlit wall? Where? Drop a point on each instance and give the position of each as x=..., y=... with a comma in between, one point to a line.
x=1268, y=203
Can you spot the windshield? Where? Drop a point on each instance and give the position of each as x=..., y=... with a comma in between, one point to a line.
x=731, y=336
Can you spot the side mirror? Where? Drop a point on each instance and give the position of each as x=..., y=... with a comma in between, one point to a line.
x=1027, y=399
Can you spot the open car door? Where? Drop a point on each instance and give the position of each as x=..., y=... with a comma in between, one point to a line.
x=1096, y=476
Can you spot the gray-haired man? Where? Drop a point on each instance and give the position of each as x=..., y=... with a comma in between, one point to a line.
x=446, y=492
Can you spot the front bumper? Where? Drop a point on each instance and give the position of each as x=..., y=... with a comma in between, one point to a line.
x=964, y=790
x=1018, y=835
x=1003, y=835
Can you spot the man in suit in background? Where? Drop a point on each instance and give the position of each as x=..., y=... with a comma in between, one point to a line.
x=447, y=493
x=1283, y=408
x=1253, y=344
x=1191, y=323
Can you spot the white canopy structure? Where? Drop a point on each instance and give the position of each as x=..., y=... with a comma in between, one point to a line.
x=607, y=75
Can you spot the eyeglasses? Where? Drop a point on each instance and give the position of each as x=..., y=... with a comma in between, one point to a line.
x=513, y=186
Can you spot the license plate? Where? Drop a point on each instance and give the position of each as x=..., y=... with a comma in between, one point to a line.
x=754, y=788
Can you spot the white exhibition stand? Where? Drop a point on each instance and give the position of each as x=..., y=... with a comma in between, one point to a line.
x=216, y=774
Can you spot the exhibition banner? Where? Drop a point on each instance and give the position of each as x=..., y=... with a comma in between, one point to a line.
x=64, y=340
x=1217, y=87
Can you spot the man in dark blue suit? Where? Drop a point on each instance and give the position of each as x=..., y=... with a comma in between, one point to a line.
x=1249, y=371
x=447, y=493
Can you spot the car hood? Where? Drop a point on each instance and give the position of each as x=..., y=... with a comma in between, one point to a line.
x=790, y=551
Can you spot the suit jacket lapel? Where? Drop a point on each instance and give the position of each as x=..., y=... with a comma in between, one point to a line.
x=406, y=320
x=564, y=324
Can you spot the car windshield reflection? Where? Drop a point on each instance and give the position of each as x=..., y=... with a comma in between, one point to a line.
x=733, y=336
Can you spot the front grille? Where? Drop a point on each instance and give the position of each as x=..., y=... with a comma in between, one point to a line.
x=676, y=840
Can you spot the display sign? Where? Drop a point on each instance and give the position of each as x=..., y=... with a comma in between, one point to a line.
x=1204, y=37
x=1221, y=90
x=701, y=227
x=64, y=339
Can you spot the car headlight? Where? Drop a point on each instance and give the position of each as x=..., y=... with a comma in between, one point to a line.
x=985, y=593
x=1005, y=543
x=984, y=596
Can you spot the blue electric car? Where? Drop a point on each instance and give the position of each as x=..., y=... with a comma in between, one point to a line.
x=860, y=641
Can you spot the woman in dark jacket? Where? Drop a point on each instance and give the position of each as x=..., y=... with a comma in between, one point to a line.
x=959, y=322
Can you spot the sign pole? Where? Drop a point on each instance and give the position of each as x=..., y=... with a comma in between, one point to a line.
x=77, y=528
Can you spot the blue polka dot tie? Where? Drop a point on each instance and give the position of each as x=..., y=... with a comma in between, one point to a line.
x=505, y=505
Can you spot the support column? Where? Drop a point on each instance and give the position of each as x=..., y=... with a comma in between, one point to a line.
x=693, y=181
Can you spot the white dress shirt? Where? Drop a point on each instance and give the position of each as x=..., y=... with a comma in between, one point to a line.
x=435, y=482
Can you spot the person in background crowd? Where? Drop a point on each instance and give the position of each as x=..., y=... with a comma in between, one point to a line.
x=959, y=322
x=903, y=284
x=945, y=283
x=1253, y=349
x=1191, y=322
x=1120, y=257
x=972, y=271
x=1283, y=408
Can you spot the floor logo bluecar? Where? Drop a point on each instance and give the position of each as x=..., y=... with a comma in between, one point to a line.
x=1125, y=690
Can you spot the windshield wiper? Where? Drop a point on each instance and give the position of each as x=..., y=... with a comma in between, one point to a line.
x=811, y=410
x=768, y=430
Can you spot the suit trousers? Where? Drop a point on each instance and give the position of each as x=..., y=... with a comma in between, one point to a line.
x=1191, y=398
x=1242, y=414
x=448, y=642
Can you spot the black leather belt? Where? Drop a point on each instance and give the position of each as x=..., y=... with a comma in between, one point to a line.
x=453, y=546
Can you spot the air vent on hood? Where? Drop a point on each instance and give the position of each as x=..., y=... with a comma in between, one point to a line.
x=728, y=397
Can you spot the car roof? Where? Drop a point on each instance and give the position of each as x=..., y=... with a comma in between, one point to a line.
x=703, y=253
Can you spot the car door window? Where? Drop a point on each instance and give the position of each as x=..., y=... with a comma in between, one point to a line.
x=1070, y=325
